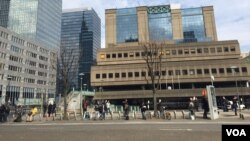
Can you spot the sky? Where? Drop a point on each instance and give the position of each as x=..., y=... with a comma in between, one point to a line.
x=232, y=16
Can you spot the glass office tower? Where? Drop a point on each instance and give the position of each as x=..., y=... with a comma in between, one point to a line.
x=81, y=32
x=39, y=20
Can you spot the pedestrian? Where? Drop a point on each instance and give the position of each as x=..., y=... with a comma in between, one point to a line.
x=224, y=104
x=143, y=110
x=45, y=107
x=196, y=103
x=31, y=114
x=126, y=109
x=19, y=112
x=205, y=106
x=160, y=109
x=191, y=108
x=235, y=105
x=54, y=108
x=84, y=108
x=108, y=109
x=50, y=107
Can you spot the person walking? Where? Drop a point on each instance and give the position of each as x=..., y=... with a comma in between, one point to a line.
x=45, y=107
x=54, y=108
x=50, y=107
x=191, y=108
x=205, y=107
x=19, y=112
x=235, y=105
x=160, y=109
x=126, y=109
x=224, y=104
x=143, y=110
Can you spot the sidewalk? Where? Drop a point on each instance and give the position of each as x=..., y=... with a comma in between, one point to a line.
x=223, y=117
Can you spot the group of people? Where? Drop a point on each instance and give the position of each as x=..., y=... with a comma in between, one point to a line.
x=102, y=108
x=4, y=112
x=49, y=109
x=226, y=104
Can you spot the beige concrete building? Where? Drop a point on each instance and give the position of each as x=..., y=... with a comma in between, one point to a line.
x=27, y=70
x=191, y=55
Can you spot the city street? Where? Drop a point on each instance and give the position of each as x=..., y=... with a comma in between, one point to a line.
x=160, y=130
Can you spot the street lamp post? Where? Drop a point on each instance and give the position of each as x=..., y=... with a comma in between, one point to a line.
x=81, y=75
x=236, y=85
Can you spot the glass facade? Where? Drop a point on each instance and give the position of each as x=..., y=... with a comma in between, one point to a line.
x=39, y=20
x=127, y=25
x=160, y=23
x=4, y=12
x=81, y=31
x=193, y=25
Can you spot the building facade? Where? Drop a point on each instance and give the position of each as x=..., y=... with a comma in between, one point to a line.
x=27, y=70
x=39, y=20
x=191, y=54
x=81, y=33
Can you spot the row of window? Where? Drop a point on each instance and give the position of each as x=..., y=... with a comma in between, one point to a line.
x=31, y=63
x=172, y=52
x=44, y=51
x=15, y=68
x=43, y=58
x=32, y=46
x=17, y=40
x=16, y=49
x=43, y=66
x=16, y=59
x=183, y=72
x=29, y=71
x=2, y=66
x=2, y=55
x=42, y=82
x=31, y=54
x=42, y=74
x=14, y=78
x=4, y=34
x=3, y=45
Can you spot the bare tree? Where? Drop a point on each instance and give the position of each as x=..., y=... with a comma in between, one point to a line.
x=67, y=68
x=153, y=53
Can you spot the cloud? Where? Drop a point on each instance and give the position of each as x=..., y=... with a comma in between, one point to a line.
x=232, y=17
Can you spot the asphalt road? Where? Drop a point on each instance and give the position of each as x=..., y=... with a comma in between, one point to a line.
x=112, y=131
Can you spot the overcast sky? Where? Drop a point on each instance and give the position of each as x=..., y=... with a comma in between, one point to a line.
x=232, y=16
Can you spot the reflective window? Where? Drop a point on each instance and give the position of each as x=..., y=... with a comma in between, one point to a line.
x=127, y=25
x=160, y=23
x=193, y=25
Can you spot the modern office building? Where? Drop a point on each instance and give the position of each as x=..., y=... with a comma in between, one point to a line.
x=191, y=54
x=27, y=69
x=81, y=33
x=39, y=20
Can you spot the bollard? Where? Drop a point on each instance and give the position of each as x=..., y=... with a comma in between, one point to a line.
x=134, y=115
x=183, y=114
x=119, y=115
x=111, y=115
x=174, y=114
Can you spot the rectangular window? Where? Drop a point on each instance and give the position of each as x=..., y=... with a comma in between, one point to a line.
x=244, y=69
x=117, y=75
x=163, y=73
x=173, y=52
x=184, y=72
x=205, y=50
x=186, y=51
x=177, y=72
x=192, y=51
x=130, y=74
x=232, y=49
x=229, y=70
x=119, y=55
x=137, y=54
x=131, y=54
x=113, y=55
x=180, y=51
x=104, y=75
x=108, y=56
x=143, y=73
x=214, y=71
x=124, y=74
x=226, y=49
x=170, y=72
x=199, y=50
x=191, y=72
x=221, y=70
x=137, y=74
x=219, y=49
x=167, y=52
x=110, y=75
x=206, y=71
x=199, y=71
x=125, y=55
x=212, y=50
x=102, y=56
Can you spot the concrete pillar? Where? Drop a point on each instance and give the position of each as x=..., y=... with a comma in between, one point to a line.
x=110, y=19
x=142, y=17
x=209, y=21
x=177, y=24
